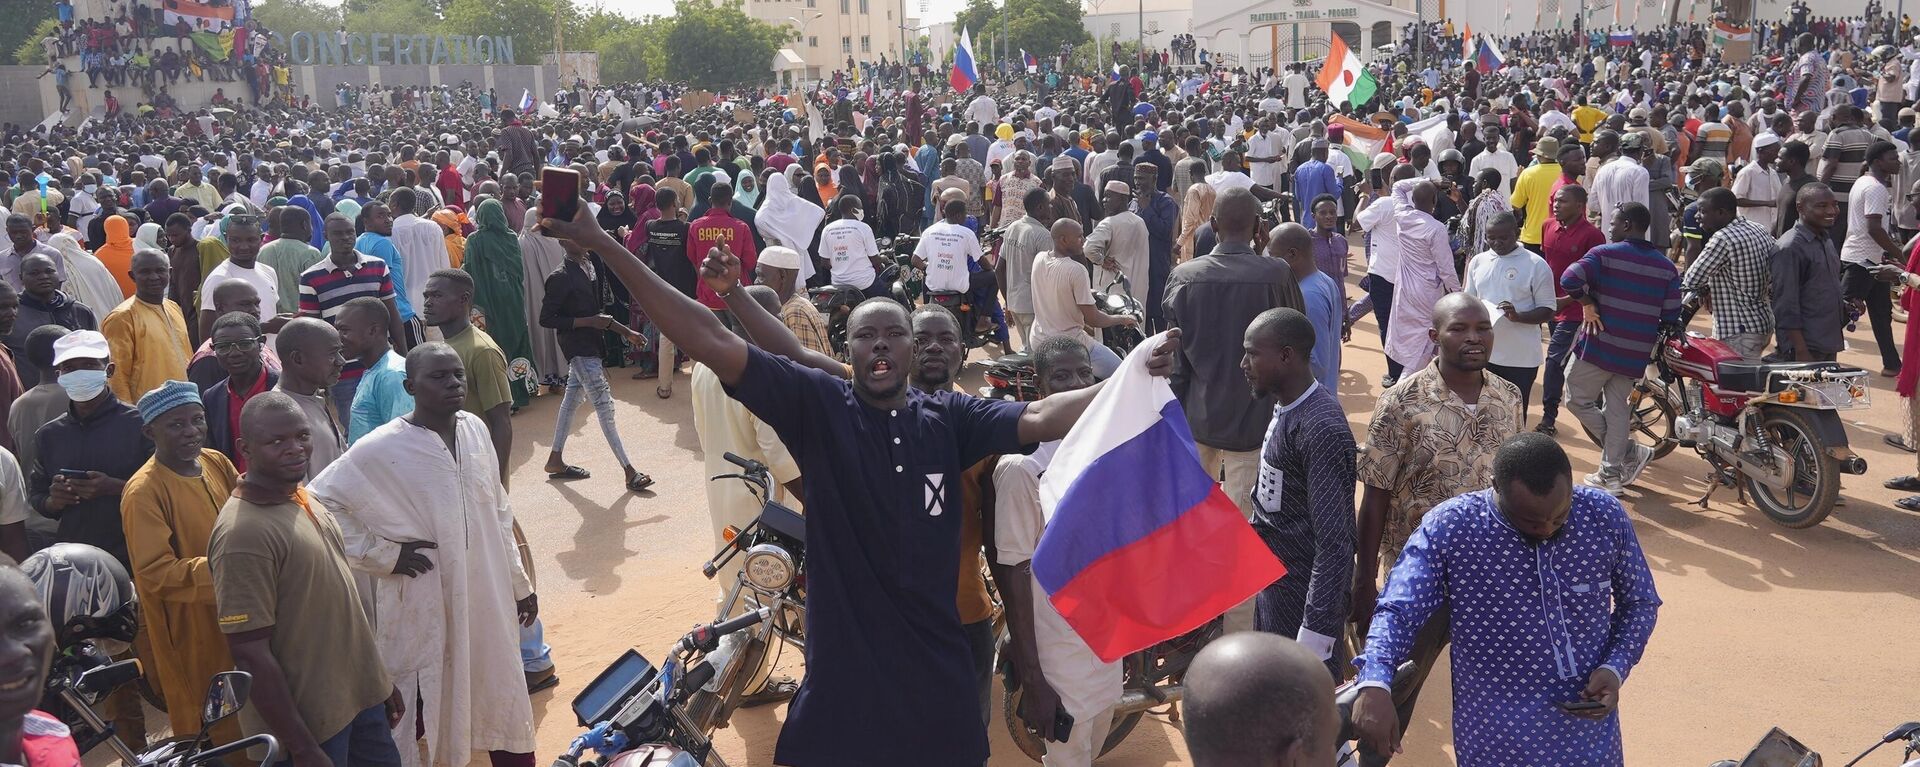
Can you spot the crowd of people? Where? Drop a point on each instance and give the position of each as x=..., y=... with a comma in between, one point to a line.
x=269, y=361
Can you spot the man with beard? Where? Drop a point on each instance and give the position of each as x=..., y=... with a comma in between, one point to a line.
x=884, y=551
x=1431, y=438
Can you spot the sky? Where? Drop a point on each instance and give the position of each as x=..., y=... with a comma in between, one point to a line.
x=937, y=10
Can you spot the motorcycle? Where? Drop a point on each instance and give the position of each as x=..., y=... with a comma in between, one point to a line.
x=226, y=695
x=772, y=576
x=1012, y=377
x=836, y=303
x=961, y=303
x=81, y=676
x=1770, y=430
x=1778, y=749
x=905, y=282
x=637, y=715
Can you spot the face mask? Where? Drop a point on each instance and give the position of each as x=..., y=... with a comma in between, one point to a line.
x=83, y=385
x=91, y=188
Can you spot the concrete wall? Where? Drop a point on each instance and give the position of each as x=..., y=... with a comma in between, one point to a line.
x=34, y=100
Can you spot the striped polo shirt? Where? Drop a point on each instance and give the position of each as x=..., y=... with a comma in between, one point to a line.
x=1635, y=288
x=324, y=287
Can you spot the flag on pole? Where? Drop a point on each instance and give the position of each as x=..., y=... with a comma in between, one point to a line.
x=1033, y=64
x=1488, y=59
x=526, y=99
x=1141, y=545
x=1466, y=42
x=964, y=75
x=1620, y=38
x=1342, y=77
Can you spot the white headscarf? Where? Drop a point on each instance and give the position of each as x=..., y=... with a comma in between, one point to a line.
x=148, y=238
x=785, y=219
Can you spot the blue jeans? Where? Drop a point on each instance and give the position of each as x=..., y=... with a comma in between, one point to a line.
x=535, y=655
x=1381, y=291
x=1557, y=348
x=366, y=742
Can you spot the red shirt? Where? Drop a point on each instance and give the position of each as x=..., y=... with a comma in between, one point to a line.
x=716, y=227
x=236, y=399
x=1563, y=245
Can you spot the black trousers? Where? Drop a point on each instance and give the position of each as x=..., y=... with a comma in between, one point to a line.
x=1382, y=292
x=1521, y=378
x=1859, y=284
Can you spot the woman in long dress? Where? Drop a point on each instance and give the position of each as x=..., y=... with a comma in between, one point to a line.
x=541, y=255
x=499, y=282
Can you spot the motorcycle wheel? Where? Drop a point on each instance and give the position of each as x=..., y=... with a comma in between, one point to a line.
x=711, y=711
x=526, y=555
x=1815, y=484
x=1653, y=416
x=1035, y=748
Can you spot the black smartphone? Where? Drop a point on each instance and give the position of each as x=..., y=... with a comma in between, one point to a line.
x=559, y=193
x=74, y=473
x=1062, y=725
x=1571, y=706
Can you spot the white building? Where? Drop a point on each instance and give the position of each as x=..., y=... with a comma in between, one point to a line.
x=832, y=31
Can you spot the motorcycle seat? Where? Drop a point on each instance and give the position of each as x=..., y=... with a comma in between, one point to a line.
x=1016, y=359
x=1763, y=376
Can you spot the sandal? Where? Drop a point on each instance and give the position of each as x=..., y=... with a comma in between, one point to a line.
x=1905, y=484
x=570, y=473
x=642, y=375
x=777, y=690
x=1910, y=503
x=663, y=392
x=639, y=482
x=1897, y=443
x=1547, y=428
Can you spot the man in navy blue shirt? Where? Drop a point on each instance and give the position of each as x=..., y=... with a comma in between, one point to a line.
x=889, y=677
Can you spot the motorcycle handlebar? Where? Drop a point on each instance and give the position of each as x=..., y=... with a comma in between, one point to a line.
x=213, y=755
x=104, y=679
x=747, y=464
x=705, y=638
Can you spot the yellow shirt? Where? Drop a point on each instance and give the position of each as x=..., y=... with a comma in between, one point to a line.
x=1586, y=118
x=168, y=519
x=149, y=346
x=1533, y=190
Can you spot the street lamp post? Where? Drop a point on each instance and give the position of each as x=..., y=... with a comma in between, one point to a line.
x=801, y=26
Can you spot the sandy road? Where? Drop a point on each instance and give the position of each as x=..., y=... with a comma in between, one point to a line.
x=1755, y=633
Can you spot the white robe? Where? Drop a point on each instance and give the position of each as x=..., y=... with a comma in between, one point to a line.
x=1123, y=238
x=451, y=633
x=87, y=278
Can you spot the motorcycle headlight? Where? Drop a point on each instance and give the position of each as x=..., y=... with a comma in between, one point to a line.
x=1116, y=303
x=768, y=567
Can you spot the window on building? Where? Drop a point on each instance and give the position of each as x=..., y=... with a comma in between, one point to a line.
x=846, y=45
x=863, y=6
x=843, y=6
x=813, y=42
x=809, y=3
x=866, y=44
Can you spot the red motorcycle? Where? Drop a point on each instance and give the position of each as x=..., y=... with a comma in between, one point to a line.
x=1772, y=430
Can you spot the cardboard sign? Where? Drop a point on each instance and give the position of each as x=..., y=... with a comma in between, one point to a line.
x=743, y=115
x=692, y=100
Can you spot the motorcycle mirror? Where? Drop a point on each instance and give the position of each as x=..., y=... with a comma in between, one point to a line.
x=226, y=695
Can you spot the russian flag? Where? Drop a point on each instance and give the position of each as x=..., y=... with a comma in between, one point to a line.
x=1620, y=39
x=1141, y=545
x=526, y=99
x=1488, y=59
x=1033, y=64
x=963, y=75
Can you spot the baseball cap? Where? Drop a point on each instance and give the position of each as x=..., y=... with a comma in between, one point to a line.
x=80, y=345
x=1149, y=136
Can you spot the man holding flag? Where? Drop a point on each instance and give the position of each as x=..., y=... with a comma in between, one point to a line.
x=889, y=680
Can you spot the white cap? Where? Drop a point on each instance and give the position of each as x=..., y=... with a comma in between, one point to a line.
x=1120, y=188
x=780, y=256
x=80, y=345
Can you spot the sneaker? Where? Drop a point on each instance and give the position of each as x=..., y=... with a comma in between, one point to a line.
x=1636, y=463
x=1603, y=484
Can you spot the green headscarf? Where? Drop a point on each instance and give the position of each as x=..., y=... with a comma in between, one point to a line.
x=499, y=295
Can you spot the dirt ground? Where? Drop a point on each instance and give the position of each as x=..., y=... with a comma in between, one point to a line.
x=1739, y=648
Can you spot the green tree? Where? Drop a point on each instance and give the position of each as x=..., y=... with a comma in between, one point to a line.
x=286, y=17
x=1039, y=27
x=29, y=50
x=531, y=22
x=634, y=50
x=717, y=44
x=397, y=16
x=27, y=22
